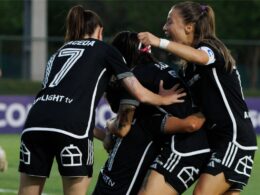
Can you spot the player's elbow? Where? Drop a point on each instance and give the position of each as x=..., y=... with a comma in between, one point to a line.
x=192, y=127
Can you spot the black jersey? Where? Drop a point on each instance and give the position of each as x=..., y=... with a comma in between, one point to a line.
x=218, y=93
x=124, y=172
x=150, y=75
x=76, y=77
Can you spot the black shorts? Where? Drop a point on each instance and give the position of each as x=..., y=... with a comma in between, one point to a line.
x=234, y=162
x=128, y=162
x=38, y=149
x=180, y=170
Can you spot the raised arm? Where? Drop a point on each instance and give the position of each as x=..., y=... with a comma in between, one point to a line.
x=185, y=52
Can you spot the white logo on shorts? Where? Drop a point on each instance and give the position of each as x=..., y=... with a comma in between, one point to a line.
x=71, y=156
x=244, y=165
x=213, y=160
x=25, y=154
x=187, y=174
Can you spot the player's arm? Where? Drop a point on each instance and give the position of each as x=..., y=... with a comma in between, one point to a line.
x=165, y=97
x=185, y=52
x=105, y=137
x=189, y=124
x=99, y=133
x=121, y=124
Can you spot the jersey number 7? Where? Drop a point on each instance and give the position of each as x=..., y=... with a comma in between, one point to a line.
x=74, y=55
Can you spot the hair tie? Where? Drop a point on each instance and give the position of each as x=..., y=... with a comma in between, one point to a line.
x=146, y=49
x=203, y=8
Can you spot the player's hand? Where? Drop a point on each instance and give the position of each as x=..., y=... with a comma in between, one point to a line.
x=108, y=142
x=148, y=38
x=172, y=95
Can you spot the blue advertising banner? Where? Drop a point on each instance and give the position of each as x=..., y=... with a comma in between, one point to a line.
x=14, y=109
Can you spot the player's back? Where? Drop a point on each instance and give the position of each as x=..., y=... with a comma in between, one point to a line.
x=75, y=78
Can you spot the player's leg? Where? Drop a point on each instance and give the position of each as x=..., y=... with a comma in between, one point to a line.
x=155, y=184
x=36, y=158
x=75, y=159
x=75, y=185
x=213, y=185
x=3, y=160
x=30, y=185
x=233, y=192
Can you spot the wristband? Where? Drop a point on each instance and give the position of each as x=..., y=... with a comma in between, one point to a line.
x=164, y=43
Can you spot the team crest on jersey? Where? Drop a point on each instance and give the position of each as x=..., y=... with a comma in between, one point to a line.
x=161, y=65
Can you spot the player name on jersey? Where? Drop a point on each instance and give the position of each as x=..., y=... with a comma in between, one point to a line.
x=83, y=43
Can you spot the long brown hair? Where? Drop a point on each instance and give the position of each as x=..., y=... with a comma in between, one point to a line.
x=203, y=18
x=80, y=22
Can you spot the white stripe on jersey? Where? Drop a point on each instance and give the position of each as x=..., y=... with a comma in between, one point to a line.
x=230, y=114
x=113, y=154
x=187, y=153
x=92, y=109
x=138, y=168
x=66, y=132
x=226, y=104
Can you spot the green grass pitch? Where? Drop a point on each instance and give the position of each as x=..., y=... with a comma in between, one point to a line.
x=9, y=180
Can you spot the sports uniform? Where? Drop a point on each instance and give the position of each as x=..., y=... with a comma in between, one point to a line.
x=132, y=155
x=230, y=132
x=76, y=77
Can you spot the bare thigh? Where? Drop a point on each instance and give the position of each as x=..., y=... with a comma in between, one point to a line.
x=75, y=185
x=232, y=193
x=213, y=185
x=154, y=184
x=30, y=185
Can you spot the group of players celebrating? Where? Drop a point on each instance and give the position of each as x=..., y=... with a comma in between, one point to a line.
x=172, y=128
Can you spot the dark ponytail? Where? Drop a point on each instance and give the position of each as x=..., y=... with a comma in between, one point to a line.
x=127, y=43
x=81, y=22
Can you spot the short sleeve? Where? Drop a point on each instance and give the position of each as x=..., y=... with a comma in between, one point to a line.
x=126, y=98
x=116, y=63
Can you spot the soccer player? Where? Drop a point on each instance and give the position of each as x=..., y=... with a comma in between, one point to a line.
x=60, y=122
x=135, y=149
x=215, y=83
